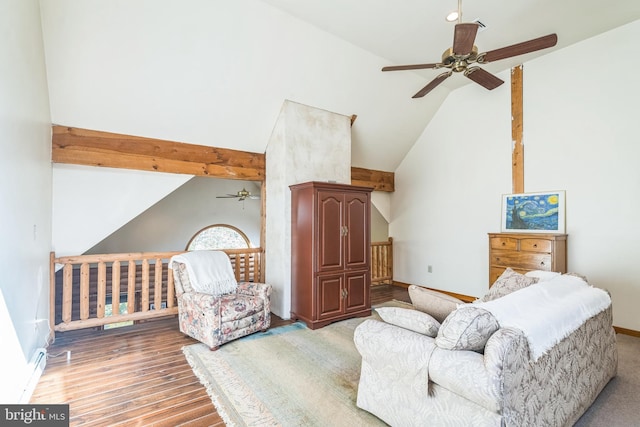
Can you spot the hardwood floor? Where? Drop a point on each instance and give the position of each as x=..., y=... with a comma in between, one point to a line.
x=137, y=375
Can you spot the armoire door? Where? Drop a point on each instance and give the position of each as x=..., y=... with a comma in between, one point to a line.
x=357, y=244
x=330, y=248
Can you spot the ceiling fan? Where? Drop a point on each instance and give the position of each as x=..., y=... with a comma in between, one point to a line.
x=241, y=195
x=460, y=57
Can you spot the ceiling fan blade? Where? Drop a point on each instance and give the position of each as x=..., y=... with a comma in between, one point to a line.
x=410, y=67
x=432, y=84
x=226, y=197
x=483, y=78
x=519, y=48
x=463, y=38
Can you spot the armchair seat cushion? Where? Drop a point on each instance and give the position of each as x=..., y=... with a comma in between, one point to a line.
x=238, y=306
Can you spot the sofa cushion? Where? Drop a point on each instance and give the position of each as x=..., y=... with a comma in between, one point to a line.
x=436, y=304
x=467, y=328
x=413, y=320
x=509, y=281
x=542, y=275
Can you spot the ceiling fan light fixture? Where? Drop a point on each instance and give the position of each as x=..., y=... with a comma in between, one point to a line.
x=452, y=17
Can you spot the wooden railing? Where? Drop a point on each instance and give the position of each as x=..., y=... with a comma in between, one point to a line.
x=83, y=286
x=382, y=262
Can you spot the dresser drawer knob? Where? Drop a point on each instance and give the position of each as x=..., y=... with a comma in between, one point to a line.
x=535, y=245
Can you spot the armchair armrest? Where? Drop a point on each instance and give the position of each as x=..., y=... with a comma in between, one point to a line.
x=262, y=290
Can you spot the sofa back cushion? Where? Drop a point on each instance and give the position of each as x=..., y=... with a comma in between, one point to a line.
x=434, y=303
x=508, y=282
x=467, y=328
x=407, y=318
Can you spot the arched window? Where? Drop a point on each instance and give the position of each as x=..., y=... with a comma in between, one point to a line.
x=218, y=236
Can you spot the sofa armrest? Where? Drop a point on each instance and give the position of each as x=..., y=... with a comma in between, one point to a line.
x=383, y=344
x=394, y=372
x=478, y=377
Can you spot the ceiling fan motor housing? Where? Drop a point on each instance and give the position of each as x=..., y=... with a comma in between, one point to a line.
x=459, y=63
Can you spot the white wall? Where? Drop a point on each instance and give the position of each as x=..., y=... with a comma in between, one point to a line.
x=307, y=144
x=89, y=203
x=25, y=194
x=171, y=222
x=580, y=135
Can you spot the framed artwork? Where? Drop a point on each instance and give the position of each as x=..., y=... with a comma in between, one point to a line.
x=534, y=212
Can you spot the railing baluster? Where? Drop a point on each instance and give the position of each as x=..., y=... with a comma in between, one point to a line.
x=170, y=288
x=131, y=287
x=67, y=292
x=145, y=285
x=102, y=289
x=84, y=291
x=115, y=288
x=157, y=292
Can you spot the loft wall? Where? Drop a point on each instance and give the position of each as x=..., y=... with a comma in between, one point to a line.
x=25, y=194
x=171, y=222
x=580, y=135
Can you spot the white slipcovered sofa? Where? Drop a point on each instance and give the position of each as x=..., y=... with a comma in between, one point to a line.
x=537, y=356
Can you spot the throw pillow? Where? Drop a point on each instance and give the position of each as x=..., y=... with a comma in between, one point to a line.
x=542, y=275
x=509, y=281
x=436, y=304
x=467, y=328
x=413, y=320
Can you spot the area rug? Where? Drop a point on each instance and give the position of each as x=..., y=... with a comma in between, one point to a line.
x=287, y=376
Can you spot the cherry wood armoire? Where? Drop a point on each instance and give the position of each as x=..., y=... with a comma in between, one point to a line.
x=330, y=252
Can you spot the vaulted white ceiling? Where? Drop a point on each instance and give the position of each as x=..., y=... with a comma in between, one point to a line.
x=217, y=72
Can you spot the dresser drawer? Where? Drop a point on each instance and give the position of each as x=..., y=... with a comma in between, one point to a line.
x=504, y=243
x=527, y=261
x=536, y=245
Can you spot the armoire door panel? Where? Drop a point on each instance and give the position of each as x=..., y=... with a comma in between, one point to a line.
x=357, y=221
x=357, y=296
x=329, y=295
x=330, y=230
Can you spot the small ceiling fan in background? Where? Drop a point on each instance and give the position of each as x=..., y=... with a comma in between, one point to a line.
x=241, y=195
x=460, y=57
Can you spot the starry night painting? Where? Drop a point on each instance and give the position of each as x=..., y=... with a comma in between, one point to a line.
x=533, y=212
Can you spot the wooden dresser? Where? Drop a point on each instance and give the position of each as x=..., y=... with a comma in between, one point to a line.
x=330, y=252
x=525, y=252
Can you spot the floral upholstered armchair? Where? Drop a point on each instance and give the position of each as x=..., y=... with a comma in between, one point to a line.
x=212, y=307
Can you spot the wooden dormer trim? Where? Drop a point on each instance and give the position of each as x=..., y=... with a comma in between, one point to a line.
x=96, y=148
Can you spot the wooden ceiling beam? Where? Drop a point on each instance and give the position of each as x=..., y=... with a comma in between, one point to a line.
x=378, y=180
x=517, y=153
x=96, y=148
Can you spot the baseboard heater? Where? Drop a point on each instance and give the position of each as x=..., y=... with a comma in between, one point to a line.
x=34, y=369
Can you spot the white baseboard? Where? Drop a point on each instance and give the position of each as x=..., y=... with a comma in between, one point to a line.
x=35, y=368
